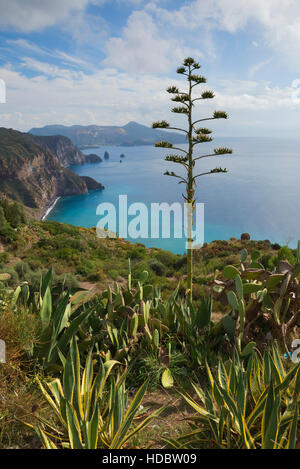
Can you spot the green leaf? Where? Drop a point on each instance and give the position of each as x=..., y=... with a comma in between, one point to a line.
x=230, y=272
x=46, y=282
x=239, y=287
x=273, y=281
x=144, y=277
x=46, y=308
x=232, y=300
x=250, y=288
x=293, y=431
x=167, y=379
x=248, y=349
x=270, y=419
x=156, y=338
x=244, y=255
x=203, y=314
x=255, y=255
x=229, y=325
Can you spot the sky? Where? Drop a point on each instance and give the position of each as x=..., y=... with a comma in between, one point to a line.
x=108, y=62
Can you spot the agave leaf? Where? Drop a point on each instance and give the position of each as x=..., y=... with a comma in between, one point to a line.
x=46, y=308
x=74, y=431
x=270, y=419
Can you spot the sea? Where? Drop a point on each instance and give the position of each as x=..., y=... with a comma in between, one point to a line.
x=259, y=195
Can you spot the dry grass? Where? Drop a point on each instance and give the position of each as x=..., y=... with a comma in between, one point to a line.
x=19, y=396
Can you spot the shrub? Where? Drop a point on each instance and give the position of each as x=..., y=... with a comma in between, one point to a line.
x=4, y=257
x=138, y=252
x=158, y=267
x=167, y=258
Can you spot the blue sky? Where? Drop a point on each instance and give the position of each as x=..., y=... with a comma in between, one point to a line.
x=109, y=62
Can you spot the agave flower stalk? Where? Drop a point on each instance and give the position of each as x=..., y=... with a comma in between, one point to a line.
x=194, y=136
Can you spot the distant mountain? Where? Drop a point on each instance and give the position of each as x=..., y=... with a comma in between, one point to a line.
x=131, y=134
x=33, y=175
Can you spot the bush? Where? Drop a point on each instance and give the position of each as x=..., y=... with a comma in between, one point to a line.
x=138, y=252
x=158, y=267
x=14, y=278
x=167, y=258
x=4, y=257
x=23, y=269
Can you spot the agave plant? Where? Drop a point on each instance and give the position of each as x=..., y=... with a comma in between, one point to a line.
x=89, y=415
x=246, y=406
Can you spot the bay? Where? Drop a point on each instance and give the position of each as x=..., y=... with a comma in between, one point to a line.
x=259, y=195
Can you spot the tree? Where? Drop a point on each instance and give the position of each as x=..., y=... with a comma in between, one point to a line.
x=186, y=102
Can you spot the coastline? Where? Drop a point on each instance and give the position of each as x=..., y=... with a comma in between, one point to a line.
x=49, y=209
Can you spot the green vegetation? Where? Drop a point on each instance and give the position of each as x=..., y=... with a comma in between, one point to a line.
x=82, y=364
x=194, y=136
x=246, y=406
x=12, y=215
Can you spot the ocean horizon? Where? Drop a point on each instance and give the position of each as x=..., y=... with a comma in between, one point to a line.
x=259, y=195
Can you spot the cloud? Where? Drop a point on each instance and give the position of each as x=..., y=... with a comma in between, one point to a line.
x=56, y=95
x=277, y=20
x=255, y=68
x=65, y=58
x=143, y=49
x=34, y=15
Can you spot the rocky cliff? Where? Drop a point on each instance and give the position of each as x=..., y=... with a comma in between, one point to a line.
x=67, y=153
x=33, y=175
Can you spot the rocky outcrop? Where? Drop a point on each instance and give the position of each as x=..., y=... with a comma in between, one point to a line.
x=67, y=153
x=92, y=158
x=33, y=175
x=91, y=184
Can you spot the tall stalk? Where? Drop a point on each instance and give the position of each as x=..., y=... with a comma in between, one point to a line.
x=194, y=136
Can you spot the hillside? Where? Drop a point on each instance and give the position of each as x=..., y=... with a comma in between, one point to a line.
x=67, y=153
x=33, y=175
x=95, y=135
x=79, y=254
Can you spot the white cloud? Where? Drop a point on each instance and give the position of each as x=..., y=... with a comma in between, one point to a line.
x=255, y=68
x=32, y=15
x=278, y=20
x=143, y=49
x=110, y=97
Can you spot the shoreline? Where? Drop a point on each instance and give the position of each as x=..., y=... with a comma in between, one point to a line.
x=49, y=209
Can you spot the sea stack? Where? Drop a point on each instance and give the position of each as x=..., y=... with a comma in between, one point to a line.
x=106, y=155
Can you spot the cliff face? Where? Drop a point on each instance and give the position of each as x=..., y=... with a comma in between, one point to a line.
x=33, y=175
x=67, y=153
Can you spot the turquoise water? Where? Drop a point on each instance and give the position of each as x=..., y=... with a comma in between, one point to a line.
x=260, y=194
